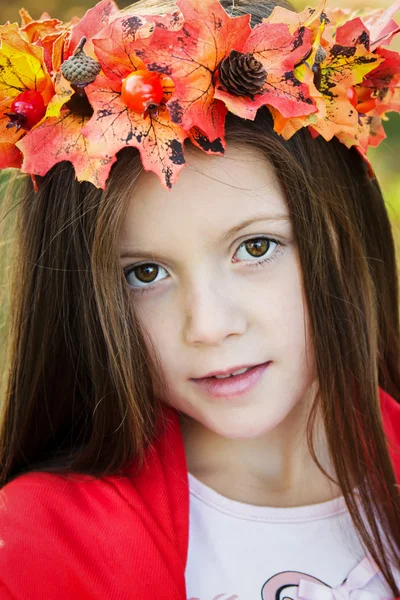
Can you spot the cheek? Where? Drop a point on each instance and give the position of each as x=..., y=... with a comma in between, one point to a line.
x=288, y=326
x=294, y=320
x=160, y=327
x=281, y=304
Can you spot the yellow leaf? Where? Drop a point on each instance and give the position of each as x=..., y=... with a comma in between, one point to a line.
x=22, y=66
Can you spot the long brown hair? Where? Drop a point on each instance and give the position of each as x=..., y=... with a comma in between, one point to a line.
x=79, y=376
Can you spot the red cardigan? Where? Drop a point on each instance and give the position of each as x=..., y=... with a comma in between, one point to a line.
x=115, y=538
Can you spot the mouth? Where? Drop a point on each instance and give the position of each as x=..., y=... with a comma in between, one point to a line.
x=230, y=385
x=231, y=372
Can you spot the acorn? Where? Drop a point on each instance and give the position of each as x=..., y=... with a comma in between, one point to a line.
x=80, y=68
x=320, y=55
x=242, y=74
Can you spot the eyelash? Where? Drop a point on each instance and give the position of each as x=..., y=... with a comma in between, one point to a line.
x=258, y=263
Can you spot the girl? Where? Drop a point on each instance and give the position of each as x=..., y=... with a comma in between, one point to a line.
x=202, y=383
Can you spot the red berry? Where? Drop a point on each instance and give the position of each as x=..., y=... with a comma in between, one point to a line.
x=352, y=96
x=365, y=107
x=27, y=109
x=362, y=100
x=142, y=89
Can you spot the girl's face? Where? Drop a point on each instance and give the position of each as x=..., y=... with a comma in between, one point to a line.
x=216, y=281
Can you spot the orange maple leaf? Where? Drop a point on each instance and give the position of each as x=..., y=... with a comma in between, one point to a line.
x=43, y=32
x=315, y=19
x=10, y=156
x=376, y=95
x=113, y=50
x=114, y=126
x=190, y=57
x=309, y=17
x=57, y=49
x=113, y=44
x=369, y=132
x=199, y=139
x=26, y=17
x=344, y=67
x=278, y=50
x=395, y=100
x=40, y=28
x=59, y=137
x=347, y=62
x=349, y=68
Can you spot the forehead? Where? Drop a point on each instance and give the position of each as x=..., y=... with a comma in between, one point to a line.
x=212, y=193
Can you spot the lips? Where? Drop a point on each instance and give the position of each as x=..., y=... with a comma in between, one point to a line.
x=226, y=389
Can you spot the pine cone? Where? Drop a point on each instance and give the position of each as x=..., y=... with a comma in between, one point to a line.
x=80, y=68
x=242, y=74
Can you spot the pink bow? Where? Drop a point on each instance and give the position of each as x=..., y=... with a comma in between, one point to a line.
x=358, y=578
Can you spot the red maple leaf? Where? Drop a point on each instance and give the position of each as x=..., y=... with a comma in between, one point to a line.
x=190, y=57
x=94, y=20
x=381, y=26
x=376, y=95
x=114, y=126
x=382, y=81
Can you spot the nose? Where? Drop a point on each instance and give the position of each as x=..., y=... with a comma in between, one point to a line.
x=213, y=311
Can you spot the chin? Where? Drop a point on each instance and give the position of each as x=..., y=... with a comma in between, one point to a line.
x=237, y=427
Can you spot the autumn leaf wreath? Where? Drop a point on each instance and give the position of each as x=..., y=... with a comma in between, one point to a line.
x=81, y=91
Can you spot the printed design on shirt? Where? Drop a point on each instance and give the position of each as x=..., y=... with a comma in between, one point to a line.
x=220, y=597
x=295, y=585
x=286, y=585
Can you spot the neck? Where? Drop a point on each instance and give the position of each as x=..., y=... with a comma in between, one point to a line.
x=275, y=469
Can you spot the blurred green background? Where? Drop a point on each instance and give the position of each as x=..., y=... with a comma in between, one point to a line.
x=385, y=159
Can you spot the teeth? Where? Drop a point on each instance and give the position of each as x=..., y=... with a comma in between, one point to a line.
x=241, y=371
x=235, y=373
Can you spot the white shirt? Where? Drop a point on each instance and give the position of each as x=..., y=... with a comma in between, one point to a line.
x=238, y=551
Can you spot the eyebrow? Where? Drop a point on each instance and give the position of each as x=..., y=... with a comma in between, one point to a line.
x=127, y=252
x=247, y=222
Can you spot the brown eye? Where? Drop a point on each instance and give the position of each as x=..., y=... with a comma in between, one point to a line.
x=262, y=248
x=143, y=276
x=146, y=273
x=257, y=247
